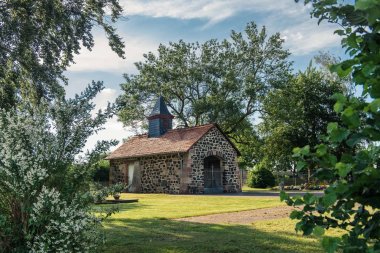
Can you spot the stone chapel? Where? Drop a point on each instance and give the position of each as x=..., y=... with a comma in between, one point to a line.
x=191, y=160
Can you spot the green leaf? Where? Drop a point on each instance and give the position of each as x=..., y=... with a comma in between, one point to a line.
x=329, y=199
x=298, y=202
x=305, y=150
x=296, y=152
x=375, y=105
x=340, y=32
x=344, y=70
x=330, y=244
x=338, y=107
x=283, y=196
x=321, y=150
x=307, y=229
x=365, y=4
x=295, y=214
x=372, y=133
x=351, y=42
x=343, y=169
x=318, y=231
x=334, y=67
x=330, y=2
x=347, y=64
x=344, y=73
x=354, y=139
x=351, y=117
x=332, y=159
x=332, y=126
x=309, y=198
x=374, y=91
x=341, y=188
x=300, y=165
x=338, y=135
x=339, y=97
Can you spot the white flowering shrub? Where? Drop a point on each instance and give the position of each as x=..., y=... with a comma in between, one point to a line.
x=45, y=198
x=67, y=227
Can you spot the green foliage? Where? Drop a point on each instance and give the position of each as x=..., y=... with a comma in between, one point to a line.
x=216, y=81
x=350, y=155
x=39, y=39
x=297, y=114
x=260, y=178
x=101, y=171
x=44, y=187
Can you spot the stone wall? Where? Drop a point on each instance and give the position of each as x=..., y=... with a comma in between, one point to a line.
x=212, y=144
x=118, y=171
x=156, y=174
x=161, y=173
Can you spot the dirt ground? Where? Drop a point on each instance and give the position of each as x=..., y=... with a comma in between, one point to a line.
x=242, y=217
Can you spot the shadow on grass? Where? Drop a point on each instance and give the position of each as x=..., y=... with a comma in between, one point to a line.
x=161, y=235
x=123, y=206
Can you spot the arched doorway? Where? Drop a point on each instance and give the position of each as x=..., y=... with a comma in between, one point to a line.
x=213, y=175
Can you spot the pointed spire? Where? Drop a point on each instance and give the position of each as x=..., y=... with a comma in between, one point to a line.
x=160, y=119
x=160, y=108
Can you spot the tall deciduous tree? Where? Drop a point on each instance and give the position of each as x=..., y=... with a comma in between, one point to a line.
x=297, y=115
x=217, y=81
x=38, y=40
x=352, y=201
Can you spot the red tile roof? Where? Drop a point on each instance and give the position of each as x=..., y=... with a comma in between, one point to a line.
x=174, y=141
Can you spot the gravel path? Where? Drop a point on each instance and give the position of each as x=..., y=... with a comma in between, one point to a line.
x=242, y=217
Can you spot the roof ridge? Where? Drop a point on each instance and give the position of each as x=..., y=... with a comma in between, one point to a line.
x=172, y=130
x=192, y=127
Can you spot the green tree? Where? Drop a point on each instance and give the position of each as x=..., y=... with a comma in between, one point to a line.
x=297, y=115
x=38, y=40
x=217, y=81
x=101, y=170
x=349, y=155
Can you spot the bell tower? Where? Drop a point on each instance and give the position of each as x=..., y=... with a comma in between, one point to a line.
x=160, y=119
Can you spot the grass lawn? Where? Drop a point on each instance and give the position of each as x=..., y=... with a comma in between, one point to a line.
x=147, y=226
x=177, y=206
x=249, y=189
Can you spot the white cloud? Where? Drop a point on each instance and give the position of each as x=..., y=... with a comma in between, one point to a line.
x=113, y=129
x=211, y=10
x=302, y=34
x=102, y=58
x=106, y=96
x=307, y=37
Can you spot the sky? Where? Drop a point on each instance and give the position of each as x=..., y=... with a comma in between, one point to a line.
x=147, y=23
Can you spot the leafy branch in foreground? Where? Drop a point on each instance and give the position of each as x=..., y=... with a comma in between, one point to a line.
x=349, y=156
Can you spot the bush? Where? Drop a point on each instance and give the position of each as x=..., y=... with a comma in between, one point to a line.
x=101, y=171
x=260, y=178
x=46, y=204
